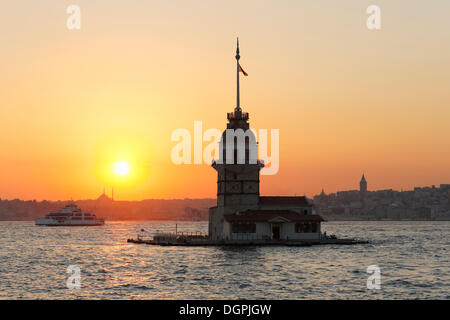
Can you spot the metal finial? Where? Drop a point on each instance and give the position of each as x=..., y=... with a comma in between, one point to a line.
x=238, y=107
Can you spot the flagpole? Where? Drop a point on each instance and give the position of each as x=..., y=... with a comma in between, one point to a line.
x=238, y=107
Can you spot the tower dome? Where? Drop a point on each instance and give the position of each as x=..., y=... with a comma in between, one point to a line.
x=238, y=143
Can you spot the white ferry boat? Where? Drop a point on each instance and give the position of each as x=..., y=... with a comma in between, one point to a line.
x=70, y=216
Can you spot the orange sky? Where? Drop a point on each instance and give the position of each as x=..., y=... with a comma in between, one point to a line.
x=346, y=100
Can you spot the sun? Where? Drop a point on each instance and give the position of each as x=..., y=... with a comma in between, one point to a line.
x=122, y=168
x=122, y=160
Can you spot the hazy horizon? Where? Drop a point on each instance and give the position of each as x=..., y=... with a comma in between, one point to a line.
x=109, y=195
x=346, y=100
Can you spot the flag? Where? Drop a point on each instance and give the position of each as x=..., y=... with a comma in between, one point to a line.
x=242, y=70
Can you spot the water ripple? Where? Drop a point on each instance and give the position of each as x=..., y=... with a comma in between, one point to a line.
x=412, y=256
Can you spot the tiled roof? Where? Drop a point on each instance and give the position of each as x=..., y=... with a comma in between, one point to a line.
x=287, y=201
x=267, y=215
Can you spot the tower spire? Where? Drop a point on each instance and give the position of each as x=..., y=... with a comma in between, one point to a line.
x=238, y=106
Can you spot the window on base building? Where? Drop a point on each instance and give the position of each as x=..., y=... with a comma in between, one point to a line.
x=243, y=227
x=306, y=227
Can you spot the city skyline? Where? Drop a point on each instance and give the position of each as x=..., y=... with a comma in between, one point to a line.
x=110, y=193
x=346, y=99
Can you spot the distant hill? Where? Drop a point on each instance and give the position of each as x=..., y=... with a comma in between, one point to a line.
x=105, y=207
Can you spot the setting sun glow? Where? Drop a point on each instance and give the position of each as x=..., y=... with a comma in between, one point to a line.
x=122, y=168
x=122, y=161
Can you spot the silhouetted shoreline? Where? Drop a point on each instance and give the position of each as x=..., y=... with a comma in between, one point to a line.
x=110, y=210
x=420, y=204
